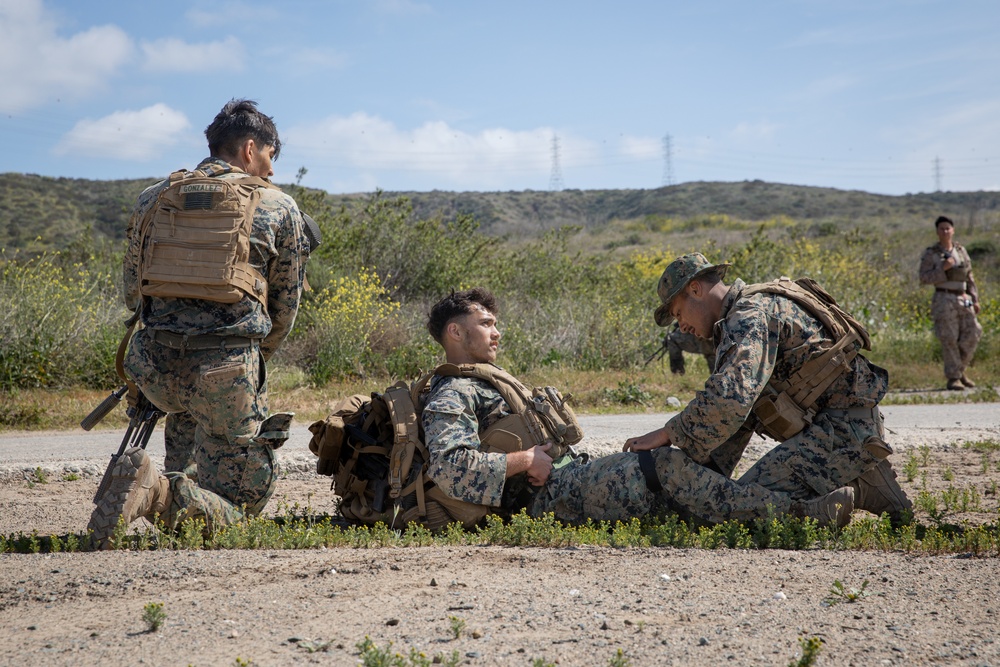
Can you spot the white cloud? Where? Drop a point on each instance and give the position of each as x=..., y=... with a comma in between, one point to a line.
x=127, y=135
x=488, y=158
x=641, y=148
x=175, y=55
x=38, y=65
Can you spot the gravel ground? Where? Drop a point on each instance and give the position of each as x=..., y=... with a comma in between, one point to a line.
x=575, y=606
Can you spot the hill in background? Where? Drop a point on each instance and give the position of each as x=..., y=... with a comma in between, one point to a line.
x=43, y=213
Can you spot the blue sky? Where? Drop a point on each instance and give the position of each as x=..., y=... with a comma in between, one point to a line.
x=886, y=96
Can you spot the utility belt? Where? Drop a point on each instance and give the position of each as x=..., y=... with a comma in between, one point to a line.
x=853, y=413
x=952, y=287
x=186, y=343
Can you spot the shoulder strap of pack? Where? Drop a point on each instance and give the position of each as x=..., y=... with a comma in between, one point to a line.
x=811, y=296
x=808, y=383
x=514, y=392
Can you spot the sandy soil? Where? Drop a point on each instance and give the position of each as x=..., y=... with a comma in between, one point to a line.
x=567, y=606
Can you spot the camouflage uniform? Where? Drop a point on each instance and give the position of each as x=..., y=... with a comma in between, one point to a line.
x=216, y=399
x=678, y=342
x=610, y=488
x=763, y=338
x=955, y=323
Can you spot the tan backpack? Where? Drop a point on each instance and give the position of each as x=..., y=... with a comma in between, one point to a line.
x=196, y=239
x=786, y=407
x=373, y=447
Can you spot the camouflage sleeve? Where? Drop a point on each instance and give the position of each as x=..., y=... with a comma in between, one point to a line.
x=286, y=269
x=746, y=357
x=451, y=433
x=931, y=272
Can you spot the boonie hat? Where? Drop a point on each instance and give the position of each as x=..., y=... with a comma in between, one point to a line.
x=675, y=278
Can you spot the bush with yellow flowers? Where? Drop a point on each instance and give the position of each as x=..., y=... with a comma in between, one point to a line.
x=341, y=319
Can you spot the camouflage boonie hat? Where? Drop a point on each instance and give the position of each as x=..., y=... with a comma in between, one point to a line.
x=676, y=277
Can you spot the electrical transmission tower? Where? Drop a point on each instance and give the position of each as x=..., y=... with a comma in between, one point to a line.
x=668, y=161
x=937, y=174
x=555, y=178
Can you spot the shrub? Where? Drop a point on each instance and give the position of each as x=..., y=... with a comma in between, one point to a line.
x=340, y=320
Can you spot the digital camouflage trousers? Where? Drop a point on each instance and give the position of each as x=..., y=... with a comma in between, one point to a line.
x=613, y=488
x=216, y=401
x=958, y=330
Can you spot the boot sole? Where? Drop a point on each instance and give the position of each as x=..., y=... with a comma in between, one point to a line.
x=124, y=478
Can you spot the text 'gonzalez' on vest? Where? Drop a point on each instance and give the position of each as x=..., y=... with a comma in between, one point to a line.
x=201, y=187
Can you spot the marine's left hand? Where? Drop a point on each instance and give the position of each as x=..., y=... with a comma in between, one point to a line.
x=651, y=440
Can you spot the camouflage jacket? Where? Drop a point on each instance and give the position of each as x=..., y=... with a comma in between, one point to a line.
x=278, y=251
x=760, y=338
x=932, y=271
x=457, y=411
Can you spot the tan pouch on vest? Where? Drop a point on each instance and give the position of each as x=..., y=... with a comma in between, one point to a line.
x=780, y=417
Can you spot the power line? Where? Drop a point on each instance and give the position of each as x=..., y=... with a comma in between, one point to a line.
x=555, y=178
x=668, y=160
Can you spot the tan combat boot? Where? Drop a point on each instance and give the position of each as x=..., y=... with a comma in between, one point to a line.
x=877, y=490
x=967, y=382
x=833, y=508
x=136, y=490
x=955, y=385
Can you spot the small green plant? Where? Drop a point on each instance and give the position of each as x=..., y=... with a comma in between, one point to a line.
x=810, y=650
x=948, y=474
x=153, y=616
x=40, y=476
x=542, y=662
x=627, y=393
x=839, y=593
x=457, y=626
x=70, y=477
x=925, y=455
x=984, y=445
x=316, y=646
x=619, y=660
x=371, y=655
x=911, y=467
x=240, y=662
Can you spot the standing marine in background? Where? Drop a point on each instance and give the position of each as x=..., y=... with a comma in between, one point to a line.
x=947, y=266
x=214, y=270
x=678, y=342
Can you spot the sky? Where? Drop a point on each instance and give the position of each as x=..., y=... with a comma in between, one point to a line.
x=885, y=96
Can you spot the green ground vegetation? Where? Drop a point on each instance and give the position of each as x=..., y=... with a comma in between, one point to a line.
x=309, y=531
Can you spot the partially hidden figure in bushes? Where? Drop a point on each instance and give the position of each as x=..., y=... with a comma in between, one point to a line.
x=471, y=461
x=788, y=366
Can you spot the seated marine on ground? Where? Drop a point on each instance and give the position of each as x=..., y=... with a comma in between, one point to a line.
x=788, y=365
x=480, y=455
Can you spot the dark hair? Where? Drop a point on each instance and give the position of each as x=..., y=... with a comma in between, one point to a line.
x=943, y=218
x=238, y=121
x=458, y=304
